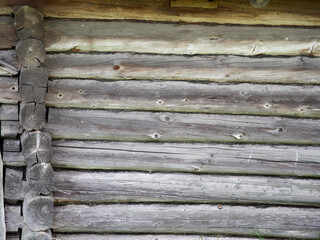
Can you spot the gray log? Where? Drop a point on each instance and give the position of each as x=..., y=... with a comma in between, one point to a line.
x=182, y=157
x=9, y=112
x=40, y=179
x=186, y=97
x=14, y=188
x=14, y=220
x=30, y=52
x=38, y=212
x=142, y=237
x=32, y=94
x=150, y=126
x=302, y=69
x=106, y=36
x=11, y=145
x=9, y=90
x=13, y=237
x=2, y=208
x=259, y=3
x=192, y=219
x=28, y=22
x=36, y=147
x=32, y=115
x=10, y=129
x=27, y=234
x=9, y=64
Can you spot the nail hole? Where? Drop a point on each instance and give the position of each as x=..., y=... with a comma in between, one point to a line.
x=60, y=95
x=280, y=130
x=116, y=67
x=185, y=99
x=167, y=118
x=197, y=169
x=242, y=93
x=267, y=105
x=13, y=88
x=160, y=102
x=302, y=109
x=155, y=136
x=80, y=91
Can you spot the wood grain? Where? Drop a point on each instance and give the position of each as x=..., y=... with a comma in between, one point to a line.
x=285, y=12
x=14, y=189
x=9, y=112
x=30, y=52
x=182, y=157
x=14, y=220
x=10, y=129
x=219, y=68
x=11, y=145
x=8, y=37
x=191, y=219
x=107, y=187
x=2, y=208
x=180, y=96
x=9, y=64
x=157, y=126
x=9, y=90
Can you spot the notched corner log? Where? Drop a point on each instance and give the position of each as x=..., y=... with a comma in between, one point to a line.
x=30, y=52
x=32, y=115
x=36, y=147
x=40, y=178
x=28, y=23
x=13, y=190
x=28, y=234
x=38, y=212
x=259, y=3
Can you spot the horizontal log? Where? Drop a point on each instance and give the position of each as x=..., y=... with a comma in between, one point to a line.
x=155, y=126
x=8, y=37
x=104, y=187
x=9, y=64
x=15, y=188
x=9, y=90
x=192, y=219
x=182, y=157
x=140, y=237
x=14, y=237
x=285, y=12
x=9, y=112
x=219, y=68
x=10, y=129
x=11, y=145
x=80, y=36
x=14, y=220
x=186, y=97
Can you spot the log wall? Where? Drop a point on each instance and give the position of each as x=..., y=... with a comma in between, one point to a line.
x=190, y=123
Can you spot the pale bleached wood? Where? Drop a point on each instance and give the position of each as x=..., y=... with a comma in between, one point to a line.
x=186, y=97
x=9, y=64
x=85, y=36
x=32, y=116
x=259, y=3
x=30, y=52
x=155, y=126
x=27, y=234
x=36, y=147
x=182, y=157
x=11, y=145
x=9, y=112
x=14, y=188
x=2, y=208
x=219, y=68
x=40, y=179
x=143, y=237
x=38, y=212
x=197, y=219
x=10, y=129
x=28, y=23
x=14, y=220
x=285, y=12
x=9, y=90
x=104, y=187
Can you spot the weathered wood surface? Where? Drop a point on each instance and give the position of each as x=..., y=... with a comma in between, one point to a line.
x=14, y=220
x=15, y=237
x=9, y=90
x=40, y=179
x=32, y=115
x=36, y=147
x=285, y=12
x=141, y=237
x=259, y=3
x=8, y=37
x=201, y=219
x=28, y=23
x=157, y=126
x=30, y=52
x=10, y=129
x=9, y=112
x=80, y=36
x=182, y=157
x=2, y=208
x=38, y=212
x=9, y=64
x=11, y=145
x=220, y=68
x=104, y=187
x=27, y=234
x=186, y=97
